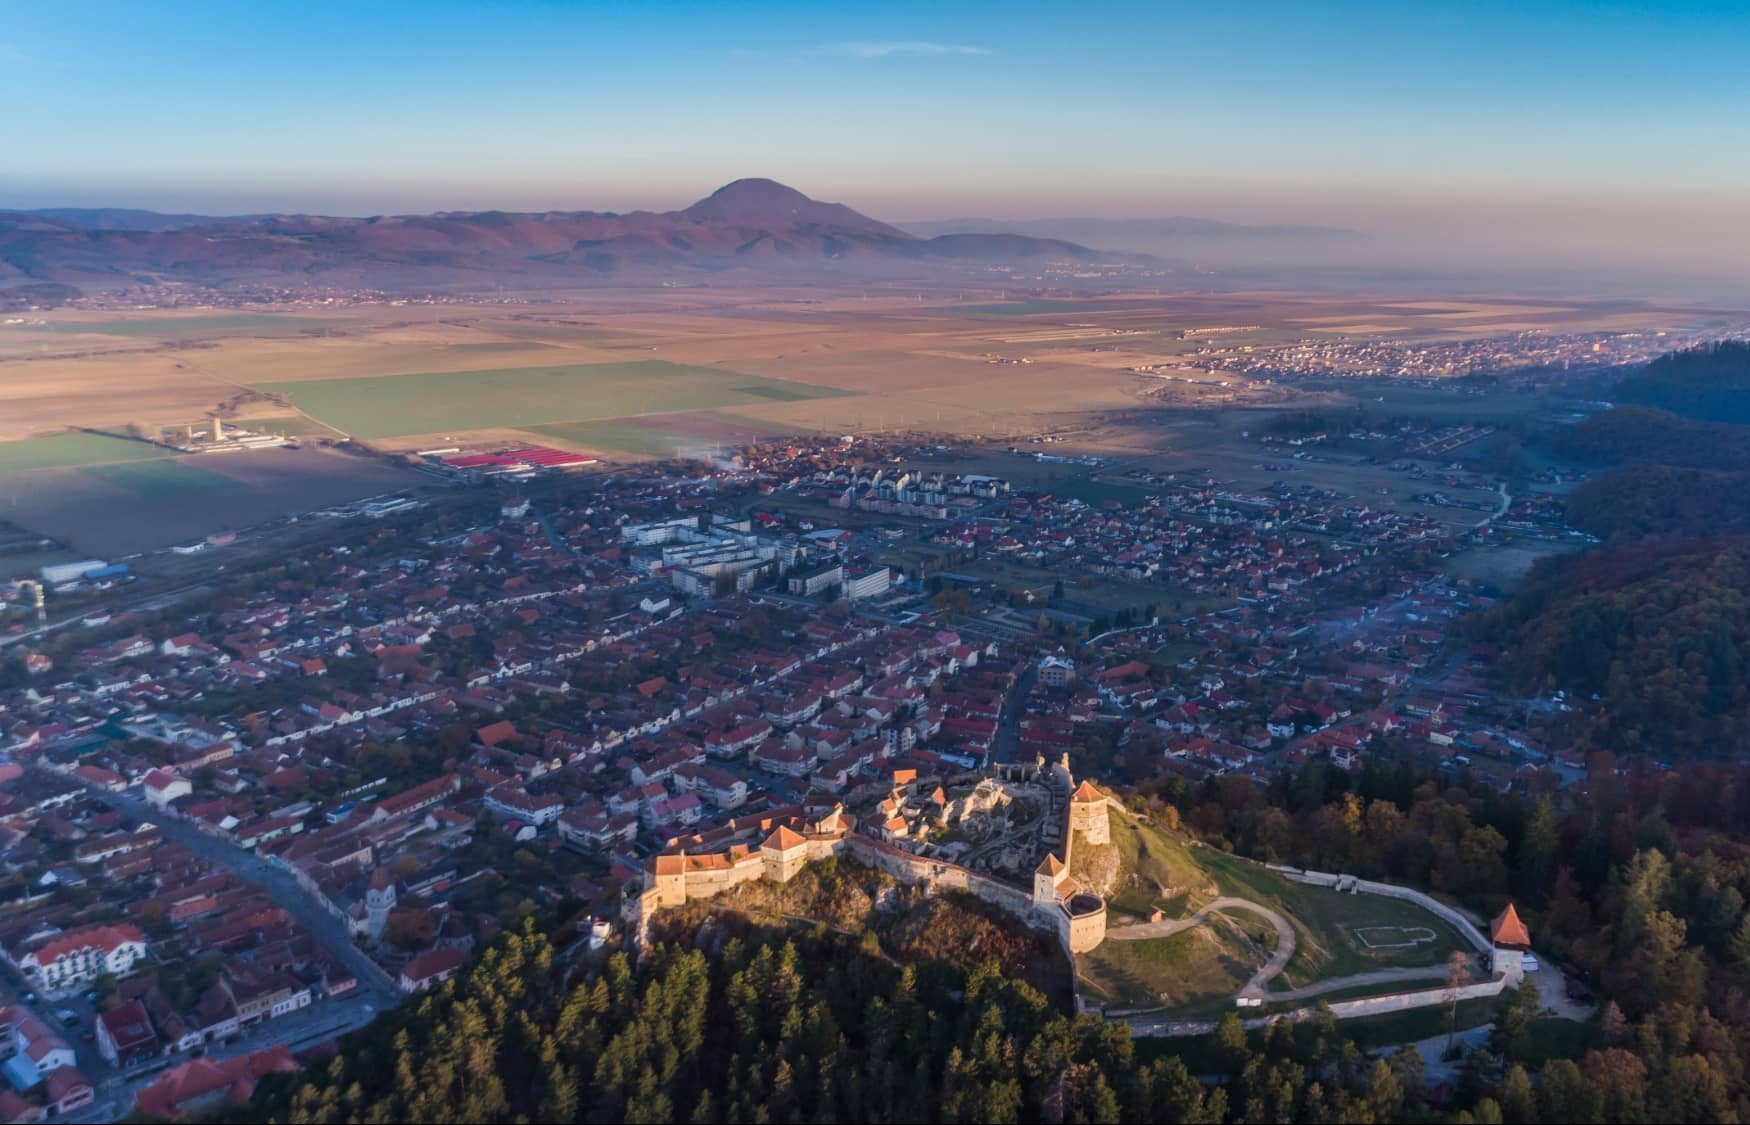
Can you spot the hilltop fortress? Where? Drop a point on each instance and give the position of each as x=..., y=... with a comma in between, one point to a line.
x=780, y=845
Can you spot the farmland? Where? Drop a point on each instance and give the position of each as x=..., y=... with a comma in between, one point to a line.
x=72, y=450
x=393, y=406
x=117, y=508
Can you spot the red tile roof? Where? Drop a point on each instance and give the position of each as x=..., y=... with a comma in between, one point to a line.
x=1507, y=929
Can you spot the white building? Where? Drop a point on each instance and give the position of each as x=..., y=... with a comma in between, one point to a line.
x=71, y=959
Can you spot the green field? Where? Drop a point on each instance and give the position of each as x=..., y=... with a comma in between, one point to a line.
x=1029, y=308
x=162, y=479
x=71, y=451
x=521, y=397
x=651, y=437
x=171, y=328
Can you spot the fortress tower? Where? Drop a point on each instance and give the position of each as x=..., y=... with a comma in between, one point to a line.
x=785, y=853
x=1088, y=815
x=1047, y=877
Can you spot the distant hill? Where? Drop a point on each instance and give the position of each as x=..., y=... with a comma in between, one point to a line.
x=129, y=219
x=1711, y=382
x=1206, y=241
x=1645, y=435
x=752, y=228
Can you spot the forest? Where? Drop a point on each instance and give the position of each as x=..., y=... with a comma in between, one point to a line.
x=1657, y=633
x=1632, y=434
x=1645, y=501
x=1710, y=382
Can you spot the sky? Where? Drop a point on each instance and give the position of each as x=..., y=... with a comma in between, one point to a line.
x=1580, y=129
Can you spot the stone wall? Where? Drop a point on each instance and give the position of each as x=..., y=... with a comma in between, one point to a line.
x=940, y=875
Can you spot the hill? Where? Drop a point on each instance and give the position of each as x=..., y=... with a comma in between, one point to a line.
x=1645, y=501
x=752, y=228
x=1206, y=241
x=1660, y=634
x=1630, y=434
x=1710, y=382
x=1227, y=927
x=750, y=1026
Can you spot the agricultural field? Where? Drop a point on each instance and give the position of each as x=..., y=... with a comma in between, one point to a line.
x=187, y=327
x=664, y=435
x=792, y=359
x=122, y=507
x=71, y=451
x=394, y=406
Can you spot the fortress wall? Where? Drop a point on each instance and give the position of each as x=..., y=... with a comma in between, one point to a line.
x=940, y=875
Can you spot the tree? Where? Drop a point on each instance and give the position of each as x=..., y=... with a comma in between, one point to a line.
x=1457, y=973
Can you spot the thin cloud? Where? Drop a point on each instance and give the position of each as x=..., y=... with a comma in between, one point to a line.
x=899, y=48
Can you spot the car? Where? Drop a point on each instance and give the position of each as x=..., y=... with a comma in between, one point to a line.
x=1529, y=962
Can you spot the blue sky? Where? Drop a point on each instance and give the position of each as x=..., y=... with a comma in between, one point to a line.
x=1483, y=112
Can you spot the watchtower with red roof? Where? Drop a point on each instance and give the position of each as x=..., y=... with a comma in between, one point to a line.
x=1510, y=937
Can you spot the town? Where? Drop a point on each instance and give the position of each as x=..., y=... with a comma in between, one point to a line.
x=321, y=789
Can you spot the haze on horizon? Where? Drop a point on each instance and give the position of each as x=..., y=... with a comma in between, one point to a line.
x=1543, y=136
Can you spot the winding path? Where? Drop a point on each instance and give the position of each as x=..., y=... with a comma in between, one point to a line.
x=1266, y=973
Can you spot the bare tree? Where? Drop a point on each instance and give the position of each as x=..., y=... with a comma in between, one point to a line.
x=1457, y=973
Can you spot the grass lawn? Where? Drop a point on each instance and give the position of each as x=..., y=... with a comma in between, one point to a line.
x=1326, y=924
x=71, y=451
x=387, y=406
x=1203, y=964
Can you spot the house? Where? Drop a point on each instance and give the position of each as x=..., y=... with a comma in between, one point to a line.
x=126, y=1038
x=1057, y=671
x=161, y=788
x=261, y=993
x=511, y=801
x=66, y=1089
x=431, y=968
x=70, y=959
x=199, y=1086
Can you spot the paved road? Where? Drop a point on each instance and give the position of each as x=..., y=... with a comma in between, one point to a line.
x=1008, y=739
x=321, y=1021
x=278, y=883
x=1266, y=973
x=1433, y=975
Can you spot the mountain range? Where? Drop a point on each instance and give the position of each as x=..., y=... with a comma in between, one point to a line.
x=1206, y=242
x=751, y=228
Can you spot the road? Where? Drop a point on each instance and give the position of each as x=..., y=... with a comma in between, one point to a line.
x=321, y=1021
x=155, y=600
x=1008, y=738
x=1266, y=973
x=278, y=884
